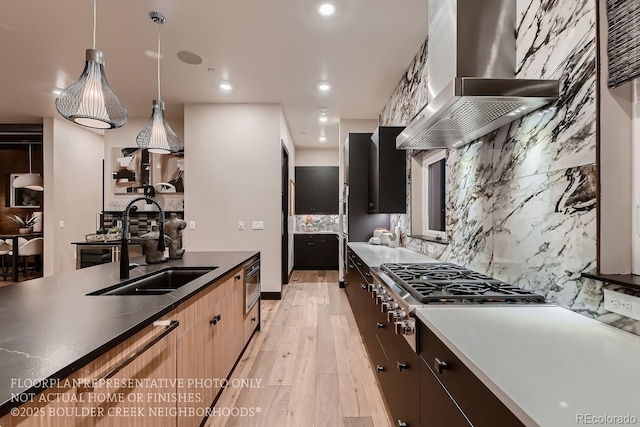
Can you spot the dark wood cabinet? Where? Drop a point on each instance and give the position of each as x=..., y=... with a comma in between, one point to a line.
x=315, y=251
x=437, y=408
x=470, y=396
x=317, y=190
x=361, y=224
x=387, y=172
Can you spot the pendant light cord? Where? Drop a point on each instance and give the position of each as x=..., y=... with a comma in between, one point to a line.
x=159, y=62
x=94, y=24
x=29, y=158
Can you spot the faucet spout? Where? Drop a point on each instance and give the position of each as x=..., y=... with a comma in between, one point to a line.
x=124, y=243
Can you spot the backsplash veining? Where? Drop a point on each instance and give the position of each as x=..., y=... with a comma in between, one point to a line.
x=521, y=206
x=317, y=223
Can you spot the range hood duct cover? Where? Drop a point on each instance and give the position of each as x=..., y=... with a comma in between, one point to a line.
x=472, y=89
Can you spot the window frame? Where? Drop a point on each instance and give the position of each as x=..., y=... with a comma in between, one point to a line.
x=420, y=166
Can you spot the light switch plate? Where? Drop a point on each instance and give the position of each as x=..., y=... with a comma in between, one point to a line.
x=626, y=305
x=240, y=225
x=258, y=225
x=192, y=225
x=61, y=225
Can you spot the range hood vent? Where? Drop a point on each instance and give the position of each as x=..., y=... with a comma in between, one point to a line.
x=471, y=70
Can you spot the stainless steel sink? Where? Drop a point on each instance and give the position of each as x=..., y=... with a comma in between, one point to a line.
x=159, y=283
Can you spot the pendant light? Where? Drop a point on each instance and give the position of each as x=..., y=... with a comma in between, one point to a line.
x=89, y=101
x=30, y=180
x=157, y=136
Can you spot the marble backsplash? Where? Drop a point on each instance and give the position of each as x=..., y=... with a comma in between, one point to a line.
x=521, y=204
x=306, y=223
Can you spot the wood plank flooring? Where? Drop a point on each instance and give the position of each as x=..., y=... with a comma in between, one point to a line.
x=309, y=361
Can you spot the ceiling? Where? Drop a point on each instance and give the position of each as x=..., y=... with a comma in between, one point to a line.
x=272, y=51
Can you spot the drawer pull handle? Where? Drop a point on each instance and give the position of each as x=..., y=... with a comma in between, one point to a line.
x=402, y=366
x=134, y=355
x=253, y=319
x=402, y=424
x=380, y=325
x=440, y=365
x=215, y=320
x=238, y=277
x=359, y=264
x=367, y=274
x=379, y=368
x=363, y=286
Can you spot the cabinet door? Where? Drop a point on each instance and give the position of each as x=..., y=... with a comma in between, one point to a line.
x=331, y=252
x=437, y=409
x=302, y=251
x=304, y=191
x=327, y=190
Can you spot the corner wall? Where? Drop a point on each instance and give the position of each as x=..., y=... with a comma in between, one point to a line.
x=73, y=177
x=232, y=158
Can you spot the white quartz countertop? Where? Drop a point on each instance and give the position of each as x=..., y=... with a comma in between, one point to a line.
x=548, y=365
x=315, y=232
x=374, y=255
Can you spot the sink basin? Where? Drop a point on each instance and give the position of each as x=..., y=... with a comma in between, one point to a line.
x=159, y=283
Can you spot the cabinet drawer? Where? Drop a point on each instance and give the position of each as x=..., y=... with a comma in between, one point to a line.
x=251, y=321
x=479, y=404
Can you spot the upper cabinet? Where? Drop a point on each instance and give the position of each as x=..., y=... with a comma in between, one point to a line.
x=317, y=190
x=387, y=172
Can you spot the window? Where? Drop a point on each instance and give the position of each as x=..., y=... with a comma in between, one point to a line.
x=428, y=199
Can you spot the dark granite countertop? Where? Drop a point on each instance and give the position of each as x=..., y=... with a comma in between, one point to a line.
x=50, y=328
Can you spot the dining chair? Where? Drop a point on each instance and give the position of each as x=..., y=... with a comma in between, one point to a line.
x=5, y=249
x=29, y=248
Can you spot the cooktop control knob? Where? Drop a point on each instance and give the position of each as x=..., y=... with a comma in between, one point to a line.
x=389, y=305
x=409, y=328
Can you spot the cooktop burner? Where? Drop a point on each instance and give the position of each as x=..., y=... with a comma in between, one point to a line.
x=445, y=282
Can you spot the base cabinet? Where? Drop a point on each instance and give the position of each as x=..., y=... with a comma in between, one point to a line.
x=437, y=408
x=315, y=251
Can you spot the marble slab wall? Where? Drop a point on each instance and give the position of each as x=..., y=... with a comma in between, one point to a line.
x=521, y=204
x=326, y=223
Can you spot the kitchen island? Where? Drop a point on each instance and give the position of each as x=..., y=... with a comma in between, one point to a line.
x=51, y=328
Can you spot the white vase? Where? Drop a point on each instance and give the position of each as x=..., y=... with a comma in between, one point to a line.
x=37, y=227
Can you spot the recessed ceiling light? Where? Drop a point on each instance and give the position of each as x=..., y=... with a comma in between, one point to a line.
x=189, y=57
x=326, y=9
x=322, y=139
x=323, y=119
x=324, y=87
x=323, y=110
x=226, y=86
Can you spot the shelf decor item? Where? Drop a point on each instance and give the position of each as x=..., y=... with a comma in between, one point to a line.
x=26, y=224
x=157, y=136
x=89, y=101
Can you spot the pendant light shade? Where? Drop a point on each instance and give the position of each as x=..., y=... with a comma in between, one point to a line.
x=89, y=101
x=29, y=180
x=157, y=136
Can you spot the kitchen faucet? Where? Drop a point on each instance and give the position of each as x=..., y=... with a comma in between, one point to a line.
x=124, y=246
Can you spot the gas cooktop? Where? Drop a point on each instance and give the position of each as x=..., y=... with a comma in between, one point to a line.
x=445, y=282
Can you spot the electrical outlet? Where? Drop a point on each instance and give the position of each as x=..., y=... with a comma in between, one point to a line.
x=258, y=225
x=626, y=305
x=192, y=225
x=240, y=225
x=61, y=224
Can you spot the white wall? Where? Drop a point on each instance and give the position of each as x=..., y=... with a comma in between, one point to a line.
x=615, y=155
x=232, y=158
x=72, y=173
x=635, y=160
x=317, y=157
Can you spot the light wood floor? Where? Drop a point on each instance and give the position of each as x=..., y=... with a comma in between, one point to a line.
x=310, y=362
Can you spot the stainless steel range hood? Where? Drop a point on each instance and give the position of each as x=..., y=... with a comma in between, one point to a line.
x=471, y=76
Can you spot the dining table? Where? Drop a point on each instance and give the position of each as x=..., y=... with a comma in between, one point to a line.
x=14, y=257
